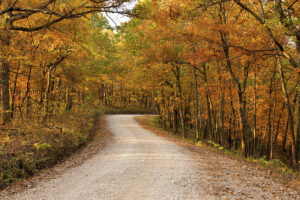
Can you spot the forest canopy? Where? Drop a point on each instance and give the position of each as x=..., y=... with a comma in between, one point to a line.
x=223, y=71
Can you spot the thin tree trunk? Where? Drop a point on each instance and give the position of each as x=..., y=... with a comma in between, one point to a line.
x=69, y=99
x=290, y=113
x=48, y=88
x=273, y=126
x=222, y=102
x=243, y=122
x=196, y=104
x=26, y=95
x=210, y=111
x=255, y=116
x=271, y=107
x=285, y=135
x=242, y=103
x=297, y=110
x=181, y=112
x=278, y=123
x=12, y=109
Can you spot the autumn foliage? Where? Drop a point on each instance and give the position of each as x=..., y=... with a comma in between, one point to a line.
x=224, y=71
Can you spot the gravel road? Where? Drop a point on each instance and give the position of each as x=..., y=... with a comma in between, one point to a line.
x=141, y=165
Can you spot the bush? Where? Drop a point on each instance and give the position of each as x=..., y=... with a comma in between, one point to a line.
x=25, y=152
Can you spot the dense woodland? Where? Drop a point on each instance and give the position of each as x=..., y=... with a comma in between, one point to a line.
x=225, y=71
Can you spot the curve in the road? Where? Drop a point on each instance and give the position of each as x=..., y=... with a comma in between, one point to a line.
x=140, y=165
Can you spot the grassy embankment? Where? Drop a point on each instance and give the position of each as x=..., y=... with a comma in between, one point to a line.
x=27, y=147
x=30, y=145
x=275, y=166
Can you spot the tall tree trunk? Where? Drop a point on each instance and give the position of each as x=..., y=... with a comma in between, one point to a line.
x=233, y=120
x=12, y=109
x=42, y=89
x=243, y=122
x=5, y=38
x=290, y=114
x=222, y=102
x=210, y=110
x=242, y=103
x=27, y=95
x=48, y=88
x=181, y=111
x=255, y=116
x=175, y=120
x=285, y=135
x=69, y=98
x=297, y=110
x=196, y=104
x=273, y=124
x=278, y=124
x=271, y=107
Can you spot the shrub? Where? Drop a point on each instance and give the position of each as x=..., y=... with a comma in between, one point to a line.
x=24, y=152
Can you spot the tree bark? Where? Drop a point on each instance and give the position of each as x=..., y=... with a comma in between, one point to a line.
x=5, y=38
x=222, y=102
x=297, y=110
x=48, y=88
x=181, y=112
x=290, y=114
x=13, y=96
x=196, y=104
x=271, y=107
x=255, y=115
x=69, y=99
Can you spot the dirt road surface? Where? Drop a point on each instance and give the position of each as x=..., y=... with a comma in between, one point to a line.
x=141, y=165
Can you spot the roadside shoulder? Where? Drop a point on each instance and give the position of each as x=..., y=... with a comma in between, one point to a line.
x=293, y=183
x=101, y=139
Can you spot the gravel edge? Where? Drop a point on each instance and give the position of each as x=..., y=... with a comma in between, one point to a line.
x=101, y=140
x=288, y=182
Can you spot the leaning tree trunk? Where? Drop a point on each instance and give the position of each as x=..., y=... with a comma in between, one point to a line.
x=242, y=108
x=290, y=114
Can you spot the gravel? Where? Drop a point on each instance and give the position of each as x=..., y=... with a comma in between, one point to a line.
x=141, y=165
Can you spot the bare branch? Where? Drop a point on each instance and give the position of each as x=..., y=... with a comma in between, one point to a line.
x=252, y=50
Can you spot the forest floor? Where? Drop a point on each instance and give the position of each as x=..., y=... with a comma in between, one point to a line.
x=135, y=163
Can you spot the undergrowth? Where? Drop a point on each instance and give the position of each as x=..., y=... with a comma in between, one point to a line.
x=29, y=146
x=127, y=110
x=275, y=165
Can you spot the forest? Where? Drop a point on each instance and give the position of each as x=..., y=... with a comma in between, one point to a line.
x=222, y=71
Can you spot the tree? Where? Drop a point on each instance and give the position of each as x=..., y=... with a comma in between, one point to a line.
x=38, y=16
